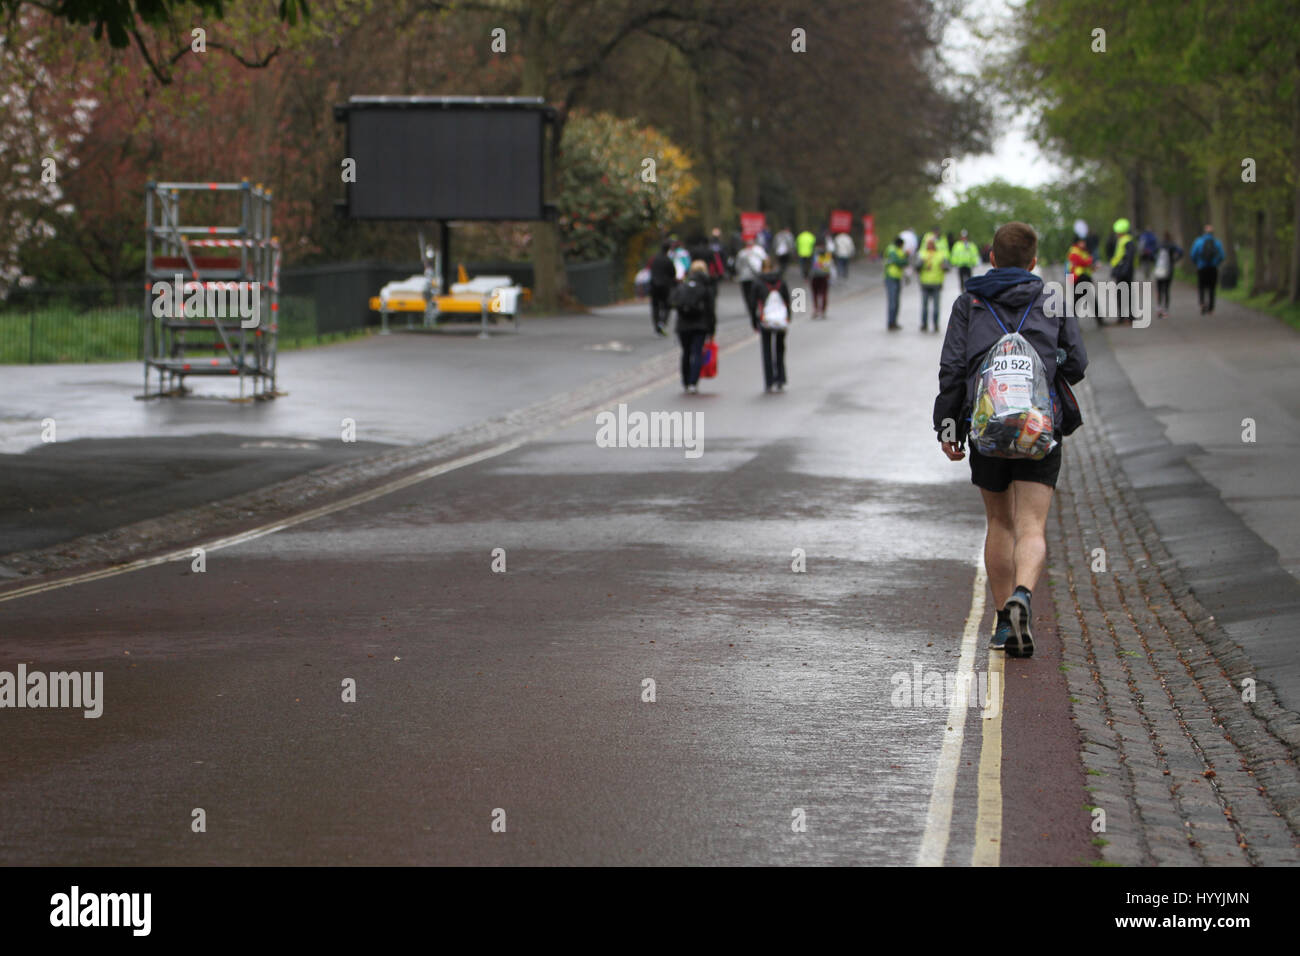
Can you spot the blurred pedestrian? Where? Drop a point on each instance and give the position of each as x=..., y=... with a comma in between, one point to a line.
x=820, y=276
x=749, y=263
x=663, y=276
x=805, y=242
x=1167, y=257
x=783, y=247
x=681, y=258
x=1206, y=255
x=717, y=254
x=1080, y=263
x=1123, y=260
x=896, y=261
x=1148, y=246
x=697, y=320
x=965, y=257
x=933, y=265
x=843, y=250
x=772, y=307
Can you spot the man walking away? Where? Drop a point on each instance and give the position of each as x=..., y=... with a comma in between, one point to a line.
x=965, y=257
x=895, y=263
x=844, y=250
x=663, y=276
x=1167, y=257
x=1017, y=492
x=697, y=321
x=805, y=242
x=1206, y=254
x=933, y=265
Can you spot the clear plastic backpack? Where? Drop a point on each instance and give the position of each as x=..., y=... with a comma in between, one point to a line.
x=1012, y=415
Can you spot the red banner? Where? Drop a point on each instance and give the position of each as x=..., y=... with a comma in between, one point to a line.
x=751, y=224
x=869, y=233
x=841, y=220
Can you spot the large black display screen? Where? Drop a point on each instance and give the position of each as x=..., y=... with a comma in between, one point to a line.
x=425, y=158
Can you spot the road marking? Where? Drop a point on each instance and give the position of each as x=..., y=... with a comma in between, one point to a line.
x=988, y=817
x=938, y=819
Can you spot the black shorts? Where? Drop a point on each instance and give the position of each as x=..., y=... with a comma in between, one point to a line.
x=996, y=474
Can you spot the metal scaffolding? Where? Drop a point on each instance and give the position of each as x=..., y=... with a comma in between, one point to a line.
x=222, y=271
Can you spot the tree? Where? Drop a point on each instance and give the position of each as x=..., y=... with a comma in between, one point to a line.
x=618, y=179
x=43, y=115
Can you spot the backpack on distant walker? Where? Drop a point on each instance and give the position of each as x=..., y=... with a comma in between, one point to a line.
x=773, y=314
x=1012, y=416
x=1163, y=268
x=690, y=297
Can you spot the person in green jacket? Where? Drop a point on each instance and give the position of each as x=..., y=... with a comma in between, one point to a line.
x=933, y=265
x=895, y=263
x=803, y=245
x=965, y=257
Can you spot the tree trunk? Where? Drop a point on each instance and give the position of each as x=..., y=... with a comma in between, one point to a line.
x=550, y=283
x=1293, y=284
x=1180, y=216
x=746, y=170
x=702, y=143
x=1137, y=198
x=1259, y=274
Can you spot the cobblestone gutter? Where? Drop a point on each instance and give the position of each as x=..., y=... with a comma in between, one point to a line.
x=1188, y=768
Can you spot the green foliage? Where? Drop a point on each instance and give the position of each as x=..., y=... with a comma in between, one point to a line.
x=605, y=197
x=1181, y=95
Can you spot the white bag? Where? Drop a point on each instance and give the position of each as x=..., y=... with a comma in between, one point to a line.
x=774, y=315
x=1162, y=264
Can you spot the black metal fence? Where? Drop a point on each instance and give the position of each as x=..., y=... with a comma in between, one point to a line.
x=316, y=304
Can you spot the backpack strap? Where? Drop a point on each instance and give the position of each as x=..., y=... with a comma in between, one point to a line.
x=1002, y=325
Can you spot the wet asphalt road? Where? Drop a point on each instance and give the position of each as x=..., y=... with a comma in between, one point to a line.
x=522, y=691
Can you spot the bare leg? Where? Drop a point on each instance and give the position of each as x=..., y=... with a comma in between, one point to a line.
x=1032, y=501
x=1000, y=543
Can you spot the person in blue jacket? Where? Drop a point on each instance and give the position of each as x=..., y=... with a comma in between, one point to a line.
x=1206, y=254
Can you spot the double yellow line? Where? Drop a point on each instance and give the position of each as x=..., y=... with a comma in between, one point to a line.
x=988, y=816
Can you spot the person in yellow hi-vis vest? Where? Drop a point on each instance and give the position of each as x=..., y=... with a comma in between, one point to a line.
x=965, y=257
x=940, y=241
x=895, y=263
x=1122, y=260
x=933, y=265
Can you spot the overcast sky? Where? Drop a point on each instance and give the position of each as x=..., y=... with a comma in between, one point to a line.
x=1015, y=157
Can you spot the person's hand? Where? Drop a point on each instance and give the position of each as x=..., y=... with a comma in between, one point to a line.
x=953, y=450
